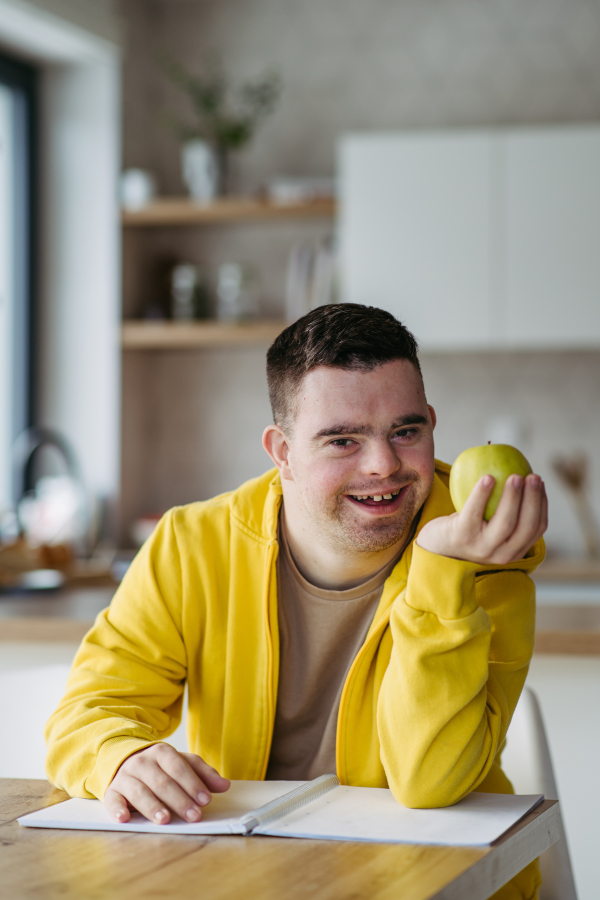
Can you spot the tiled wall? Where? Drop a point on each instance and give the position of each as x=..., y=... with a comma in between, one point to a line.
x=192, y=425
x=353, y=64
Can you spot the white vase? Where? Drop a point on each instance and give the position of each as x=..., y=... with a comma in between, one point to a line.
x=200, y=170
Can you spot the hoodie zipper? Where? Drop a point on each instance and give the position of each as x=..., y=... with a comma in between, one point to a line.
x=271, y=558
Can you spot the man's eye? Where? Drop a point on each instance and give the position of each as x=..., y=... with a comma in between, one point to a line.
x=406, y=433
x=342, y=442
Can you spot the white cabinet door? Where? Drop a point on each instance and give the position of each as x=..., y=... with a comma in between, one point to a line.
x=416, y=232
x=553, y=237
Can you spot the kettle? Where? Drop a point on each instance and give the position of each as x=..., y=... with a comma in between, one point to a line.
x=51, y=509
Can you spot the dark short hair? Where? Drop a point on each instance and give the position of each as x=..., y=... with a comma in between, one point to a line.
x=341, y=335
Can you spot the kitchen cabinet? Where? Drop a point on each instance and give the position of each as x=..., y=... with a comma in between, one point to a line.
x=553, y=237
x=480, y=239
x=416, y=232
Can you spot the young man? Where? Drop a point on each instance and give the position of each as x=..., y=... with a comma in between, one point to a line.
x=335, y=614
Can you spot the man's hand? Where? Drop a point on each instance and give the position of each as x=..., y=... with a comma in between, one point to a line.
x=520, y=520
x=160, y=780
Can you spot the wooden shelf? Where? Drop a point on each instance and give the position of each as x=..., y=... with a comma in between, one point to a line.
x=182, y=211
x=139, y=335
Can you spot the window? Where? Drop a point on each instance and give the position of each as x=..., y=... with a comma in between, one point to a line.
x=17, y=125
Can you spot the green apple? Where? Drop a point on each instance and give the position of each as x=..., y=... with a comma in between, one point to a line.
x=499, y=460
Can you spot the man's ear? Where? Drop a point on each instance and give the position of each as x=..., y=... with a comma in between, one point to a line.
x=276, y=445
x=433, y=415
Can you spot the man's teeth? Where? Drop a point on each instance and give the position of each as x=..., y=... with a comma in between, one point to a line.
x=376, y=497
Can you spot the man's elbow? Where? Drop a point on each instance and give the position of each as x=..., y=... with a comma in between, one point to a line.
x=421, y=791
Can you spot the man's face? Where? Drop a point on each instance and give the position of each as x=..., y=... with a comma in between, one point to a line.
x=358, y=436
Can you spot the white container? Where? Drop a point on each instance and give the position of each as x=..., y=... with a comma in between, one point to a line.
x=287, y=190
x=138, y=188
x=238, y=289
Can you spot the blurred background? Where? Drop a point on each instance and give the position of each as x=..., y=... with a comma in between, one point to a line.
x=181, y=178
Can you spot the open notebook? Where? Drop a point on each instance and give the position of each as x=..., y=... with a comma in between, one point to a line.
x=321, y=809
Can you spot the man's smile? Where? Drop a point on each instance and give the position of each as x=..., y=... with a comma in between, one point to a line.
x=385, y=503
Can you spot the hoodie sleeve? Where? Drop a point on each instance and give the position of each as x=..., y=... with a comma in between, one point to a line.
x=125, y=688
x=462, y=642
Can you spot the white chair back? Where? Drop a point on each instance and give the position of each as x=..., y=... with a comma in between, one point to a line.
x=527, y=762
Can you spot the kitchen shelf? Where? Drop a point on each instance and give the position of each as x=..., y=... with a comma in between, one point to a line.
x=181, y=228
x=182, y=211
x=140, y=335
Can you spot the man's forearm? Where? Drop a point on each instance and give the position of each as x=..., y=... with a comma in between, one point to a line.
x=461, y=647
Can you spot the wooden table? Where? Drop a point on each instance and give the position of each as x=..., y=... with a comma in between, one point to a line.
x=85, y=865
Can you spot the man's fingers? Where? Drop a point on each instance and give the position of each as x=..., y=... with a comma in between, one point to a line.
x=474, y=508
x=519, y=521
x=159, y=779
x=211, y=778
x=533, y=504
x=168, y=790
x=116, y=806
x=532, y=522
x=544, y=513
x=178, y=767
x=143, y=799
x=507, y=516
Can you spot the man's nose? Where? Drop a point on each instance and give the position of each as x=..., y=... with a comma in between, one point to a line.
x=380, y=459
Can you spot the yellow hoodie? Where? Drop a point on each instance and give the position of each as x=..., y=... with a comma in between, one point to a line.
x=425, y=706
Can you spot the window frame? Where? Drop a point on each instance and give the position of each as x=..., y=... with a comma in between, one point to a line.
x=22, y=79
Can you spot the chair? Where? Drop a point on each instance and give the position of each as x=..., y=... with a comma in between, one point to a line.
x=526, y=761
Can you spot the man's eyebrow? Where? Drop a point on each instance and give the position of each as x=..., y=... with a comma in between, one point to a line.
x=344, y=428
x=350, y=428
x=412, y=419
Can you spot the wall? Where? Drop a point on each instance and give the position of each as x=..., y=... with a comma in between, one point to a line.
x=202, y=415
x=350, y=65
x=554, y=397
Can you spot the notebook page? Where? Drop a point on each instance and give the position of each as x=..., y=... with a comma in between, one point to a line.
x=221, y=816
x=372, y=814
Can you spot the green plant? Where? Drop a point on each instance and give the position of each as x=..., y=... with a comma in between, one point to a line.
x=224, y=115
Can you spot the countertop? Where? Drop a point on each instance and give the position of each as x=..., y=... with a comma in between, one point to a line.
x=62, y=615
x=568, y=570
x=67, y=614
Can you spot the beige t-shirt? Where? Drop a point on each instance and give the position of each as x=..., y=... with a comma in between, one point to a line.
x=320, y=633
